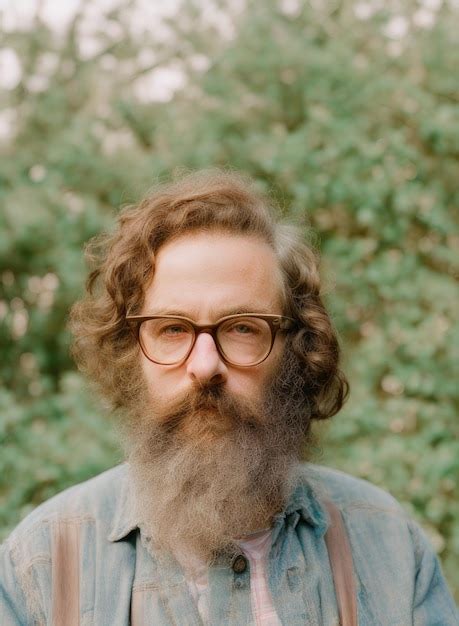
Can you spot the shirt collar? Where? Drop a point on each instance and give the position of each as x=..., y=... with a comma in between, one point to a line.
x=123, y=522
x=305, y=503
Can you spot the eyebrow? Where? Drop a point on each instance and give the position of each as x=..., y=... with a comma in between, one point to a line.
x=213, y=312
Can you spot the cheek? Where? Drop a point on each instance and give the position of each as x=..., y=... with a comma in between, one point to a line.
x=163, y=384
x=251, y=382
x=271, y=367
x=154, y=377
x=146, y=368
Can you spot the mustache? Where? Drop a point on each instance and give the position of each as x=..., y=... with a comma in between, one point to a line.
x=208, y=400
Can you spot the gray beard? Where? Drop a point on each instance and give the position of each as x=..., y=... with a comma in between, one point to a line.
x=213, y=468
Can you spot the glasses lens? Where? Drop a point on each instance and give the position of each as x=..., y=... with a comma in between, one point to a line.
x=245, y=340
x=166, y=340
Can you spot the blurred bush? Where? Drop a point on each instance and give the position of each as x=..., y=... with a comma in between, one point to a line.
x=345, y=112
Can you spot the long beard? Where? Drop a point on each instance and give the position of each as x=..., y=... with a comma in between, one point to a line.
x=214, y=467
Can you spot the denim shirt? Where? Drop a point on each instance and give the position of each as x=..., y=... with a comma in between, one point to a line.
x=398, y=576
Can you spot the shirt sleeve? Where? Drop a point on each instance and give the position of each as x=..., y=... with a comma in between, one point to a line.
x=433, y=604
x=12, y=599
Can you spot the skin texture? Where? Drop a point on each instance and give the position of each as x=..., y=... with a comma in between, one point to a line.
x=205, y=276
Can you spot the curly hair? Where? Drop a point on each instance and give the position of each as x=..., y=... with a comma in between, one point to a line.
x=124, y=262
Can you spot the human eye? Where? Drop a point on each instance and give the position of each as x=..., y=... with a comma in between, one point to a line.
x=169, y=329
x=242, y=328
x=173, y=330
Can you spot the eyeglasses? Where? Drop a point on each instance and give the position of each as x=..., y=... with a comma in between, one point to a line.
x=243, y=340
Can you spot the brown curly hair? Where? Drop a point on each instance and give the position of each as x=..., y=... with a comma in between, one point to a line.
x=123, y=265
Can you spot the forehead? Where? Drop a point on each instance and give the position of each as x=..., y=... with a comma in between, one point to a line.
x=208, y=275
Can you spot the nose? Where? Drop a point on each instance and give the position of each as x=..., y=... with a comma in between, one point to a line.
x=205, y=365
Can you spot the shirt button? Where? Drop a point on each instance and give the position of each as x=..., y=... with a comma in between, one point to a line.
x=239, y=563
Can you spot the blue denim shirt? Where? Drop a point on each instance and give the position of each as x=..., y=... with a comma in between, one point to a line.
x=398, y=577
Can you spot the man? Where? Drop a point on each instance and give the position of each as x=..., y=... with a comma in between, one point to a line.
x=204, y=327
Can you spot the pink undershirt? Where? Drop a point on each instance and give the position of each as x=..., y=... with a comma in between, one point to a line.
x=256, y=548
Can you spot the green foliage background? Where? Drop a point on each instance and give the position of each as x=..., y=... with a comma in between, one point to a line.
x=348, y=117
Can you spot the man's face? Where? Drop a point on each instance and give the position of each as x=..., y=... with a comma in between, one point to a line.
x=206, y=276
x=212, y=447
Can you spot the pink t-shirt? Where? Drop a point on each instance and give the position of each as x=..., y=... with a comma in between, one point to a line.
x=256, y=548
